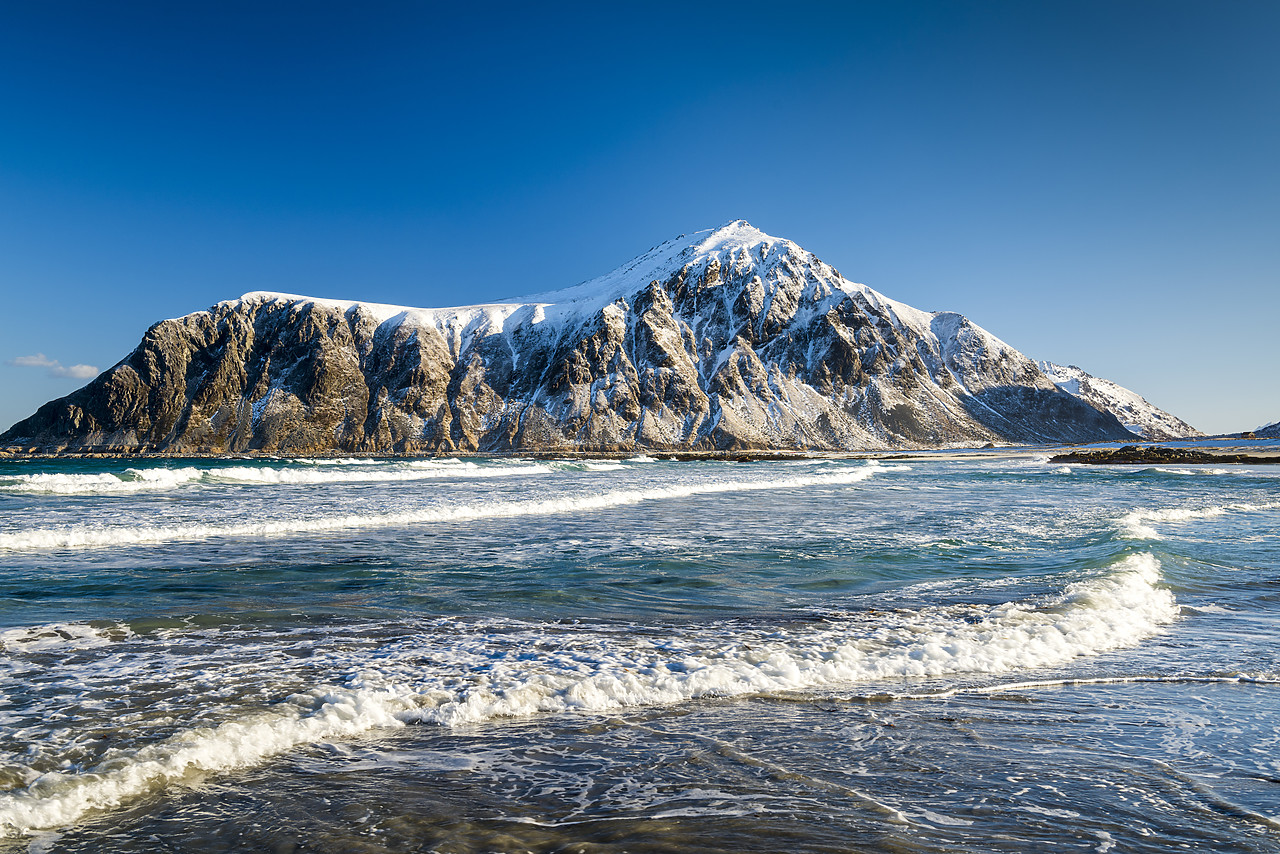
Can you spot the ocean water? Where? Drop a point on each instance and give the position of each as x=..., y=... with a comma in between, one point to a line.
x=926, y=655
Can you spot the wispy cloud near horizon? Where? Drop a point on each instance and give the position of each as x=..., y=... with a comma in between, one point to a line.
x=55, y=368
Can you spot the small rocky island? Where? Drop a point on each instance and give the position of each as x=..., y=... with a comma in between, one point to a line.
x=1138, y=455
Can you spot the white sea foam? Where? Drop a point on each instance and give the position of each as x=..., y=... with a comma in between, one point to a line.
x=317, y=472
x=1191, y=472
x=1115, y=610
x=81, y=536
x=127, y=482
x=251, y=474
x=1137, y=524
x=1206, y=609
x=587, y=465
x=59, y=636
x=461, y=677
x=58, y=799
x=344, y=461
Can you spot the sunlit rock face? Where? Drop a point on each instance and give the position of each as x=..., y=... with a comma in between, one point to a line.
x=723, y=340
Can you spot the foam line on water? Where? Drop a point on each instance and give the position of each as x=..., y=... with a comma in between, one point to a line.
x=132, y=480
x=1138, y=524
x=252, y=475
x=1191, y=472
x=348, y=461
x=461, y=680
x=91, y=536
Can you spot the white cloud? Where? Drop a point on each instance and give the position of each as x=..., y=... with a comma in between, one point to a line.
x=39, y=360
x=55, y=368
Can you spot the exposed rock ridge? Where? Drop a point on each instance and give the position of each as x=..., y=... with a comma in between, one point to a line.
x=728, y=339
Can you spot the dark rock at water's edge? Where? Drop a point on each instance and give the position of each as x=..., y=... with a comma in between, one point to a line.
x=1138, y=455
x=726, y=341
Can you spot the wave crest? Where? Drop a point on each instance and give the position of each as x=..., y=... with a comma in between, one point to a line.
x=451, y=678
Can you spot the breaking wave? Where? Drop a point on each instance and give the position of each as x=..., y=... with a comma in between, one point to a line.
x=469, y=676
x=1138, y=524
x=127, y=482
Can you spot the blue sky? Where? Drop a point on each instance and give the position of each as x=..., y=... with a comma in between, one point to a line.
x=1094, y=182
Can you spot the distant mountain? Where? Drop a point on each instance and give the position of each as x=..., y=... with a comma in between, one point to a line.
x=1139, y=416
x=722, y=340
x=1271, y=431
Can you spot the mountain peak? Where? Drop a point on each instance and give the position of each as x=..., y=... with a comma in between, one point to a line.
x=719, y=340
x=737, y=230
x=734, y=235
x=726, y=243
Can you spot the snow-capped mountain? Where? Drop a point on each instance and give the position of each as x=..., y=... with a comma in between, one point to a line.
x=724, y=339
x=1133, y=410
x=1270, y=431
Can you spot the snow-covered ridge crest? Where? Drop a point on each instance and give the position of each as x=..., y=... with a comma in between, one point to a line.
x=734, y=249
x=1133, y=410
x=483, y=317
x=734, y=245
x=722, y=339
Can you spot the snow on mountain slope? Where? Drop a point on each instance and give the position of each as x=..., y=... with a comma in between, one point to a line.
x=1132, y=409
x=736, y=247
x=724, y=339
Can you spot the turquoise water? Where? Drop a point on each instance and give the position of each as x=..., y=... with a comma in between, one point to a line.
x=983, y=654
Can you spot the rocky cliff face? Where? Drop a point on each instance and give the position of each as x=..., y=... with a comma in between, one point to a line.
x=1133, y=410
x=723, y=340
